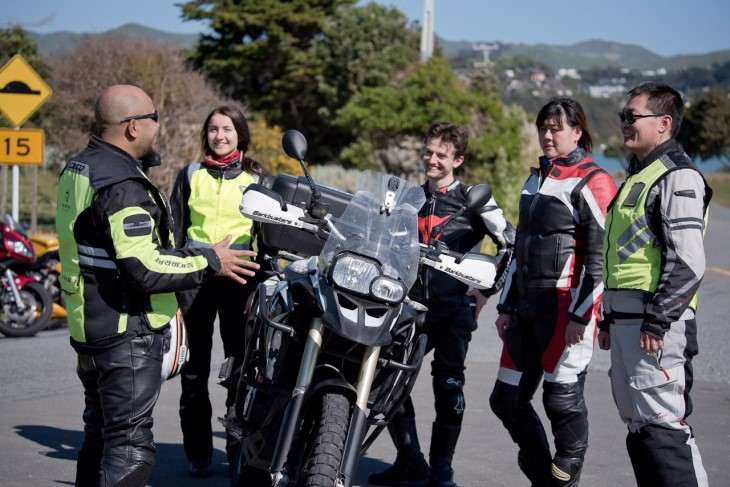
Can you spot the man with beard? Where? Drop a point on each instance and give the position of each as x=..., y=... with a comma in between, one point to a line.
x=120, y=273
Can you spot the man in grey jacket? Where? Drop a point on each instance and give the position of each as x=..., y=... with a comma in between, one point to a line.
x=654, y=262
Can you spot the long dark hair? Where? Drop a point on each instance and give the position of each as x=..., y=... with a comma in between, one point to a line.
x=574, y=115
x=244, y=136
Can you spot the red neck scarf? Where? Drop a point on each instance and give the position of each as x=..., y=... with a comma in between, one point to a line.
x=211, y=160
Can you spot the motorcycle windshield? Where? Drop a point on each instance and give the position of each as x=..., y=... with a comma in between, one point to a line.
x=381, y=222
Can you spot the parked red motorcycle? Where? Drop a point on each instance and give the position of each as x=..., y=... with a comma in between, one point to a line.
x=25, y=303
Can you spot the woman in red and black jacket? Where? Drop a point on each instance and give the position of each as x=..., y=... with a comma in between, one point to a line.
x=550, y=303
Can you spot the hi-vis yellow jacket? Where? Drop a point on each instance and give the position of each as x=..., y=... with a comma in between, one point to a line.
x=205, y=206
x=654, y=235
x=120, y=269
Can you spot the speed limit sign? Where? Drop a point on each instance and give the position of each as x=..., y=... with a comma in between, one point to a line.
x=21, y=146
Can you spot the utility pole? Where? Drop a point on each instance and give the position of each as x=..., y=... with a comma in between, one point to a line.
x=427, y=31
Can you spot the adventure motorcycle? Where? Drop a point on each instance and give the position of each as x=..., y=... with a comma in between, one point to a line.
x=332, y=347
x=26, y=304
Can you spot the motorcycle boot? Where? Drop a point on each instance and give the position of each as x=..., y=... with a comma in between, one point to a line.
x=409, y=465
x=565, y=472
x=566, y=409
x=443, y=444
x=510, y=404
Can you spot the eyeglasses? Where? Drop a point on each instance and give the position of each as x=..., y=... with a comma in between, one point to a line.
x=629, y=117
x=154, y=116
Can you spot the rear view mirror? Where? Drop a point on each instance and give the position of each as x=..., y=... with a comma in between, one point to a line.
x=478, y=196
x=295, y=144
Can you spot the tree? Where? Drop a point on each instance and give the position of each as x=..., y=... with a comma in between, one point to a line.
x=15, y=40
x=181, y=95
x=705, y=131
x=362, y=47
x=261, y=52
x=296, y=62
x=389, y=122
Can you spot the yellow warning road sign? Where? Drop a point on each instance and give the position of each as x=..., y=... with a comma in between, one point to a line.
x=22, y=90
x=21, y=146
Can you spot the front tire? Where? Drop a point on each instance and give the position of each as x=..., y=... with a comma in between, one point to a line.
x=329, y=442
x=35, y=317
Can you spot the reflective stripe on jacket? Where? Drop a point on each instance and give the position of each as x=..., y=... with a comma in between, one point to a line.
x=632, y=256
x=119, y=268
x=654, y=235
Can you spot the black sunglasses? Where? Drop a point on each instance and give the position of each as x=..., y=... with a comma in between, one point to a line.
x=154, y=116
x=629, y=117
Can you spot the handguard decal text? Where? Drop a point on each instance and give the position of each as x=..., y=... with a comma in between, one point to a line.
x=272, y=218
x=460, y=274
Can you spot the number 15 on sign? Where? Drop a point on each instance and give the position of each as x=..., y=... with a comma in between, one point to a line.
x=21, y=147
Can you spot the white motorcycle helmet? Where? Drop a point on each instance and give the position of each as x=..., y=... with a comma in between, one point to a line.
x=176, y=352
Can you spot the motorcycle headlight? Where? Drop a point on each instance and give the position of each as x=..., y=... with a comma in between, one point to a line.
x=354, y=273
x=363, y=276
x=388, y=290
x=19, y=247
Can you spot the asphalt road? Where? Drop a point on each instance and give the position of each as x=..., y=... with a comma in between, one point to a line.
x=41, y=405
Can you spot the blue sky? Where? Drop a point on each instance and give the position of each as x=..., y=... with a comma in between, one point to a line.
x=700, y=26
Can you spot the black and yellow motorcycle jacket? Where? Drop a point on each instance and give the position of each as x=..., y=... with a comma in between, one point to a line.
x=120, y=269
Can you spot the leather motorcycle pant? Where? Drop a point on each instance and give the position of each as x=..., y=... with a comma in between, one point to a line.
x=513, y=406
x=449, y=330
x=121, y=387
x=568, y=414
x=226, y=299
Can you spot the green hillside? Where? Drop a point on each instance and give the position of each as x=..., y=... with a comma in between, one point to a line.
x=588, y=54
x=58, y=42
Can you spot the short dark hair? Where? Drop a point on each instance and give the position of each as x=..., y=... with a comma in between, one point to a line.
x=244, y=135
x=661, y=99
x=456, y=135
x=574, y=115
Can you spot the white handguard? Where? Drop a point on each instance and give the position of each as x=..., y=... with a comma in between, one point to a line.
x=477, y=270
x=259, y=206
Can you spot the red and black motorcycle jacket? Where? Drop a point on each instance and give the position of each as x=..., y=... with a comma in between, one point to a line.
x=560, y=233
x=463, y=234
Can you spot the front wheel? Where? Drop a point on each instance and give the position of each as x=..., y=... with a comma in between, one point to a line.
x=35, y=315
x=329, y=442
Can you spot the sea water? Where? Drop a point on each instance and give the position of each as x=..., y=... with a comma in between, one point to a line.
x=612, y=164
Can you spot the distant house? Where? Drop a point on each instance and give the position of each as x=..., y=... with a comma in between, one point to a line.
x=568, y=73
x=606, y=91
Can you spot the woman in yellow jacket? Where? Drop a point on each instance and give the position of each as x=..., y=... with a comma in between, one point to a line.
x=205, y=202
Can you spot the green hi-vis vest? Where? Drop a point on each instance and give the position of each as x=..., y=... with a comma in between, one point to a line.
x=75, y=195
x=214, y=212
x=633, y=257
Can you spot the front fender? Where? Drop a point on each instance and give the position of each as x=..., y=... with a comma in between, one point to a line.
x=21, y=280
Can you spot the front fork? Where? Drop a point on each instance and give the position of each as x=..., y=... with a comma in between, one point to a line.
x=10, y=278
x=358, y=423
